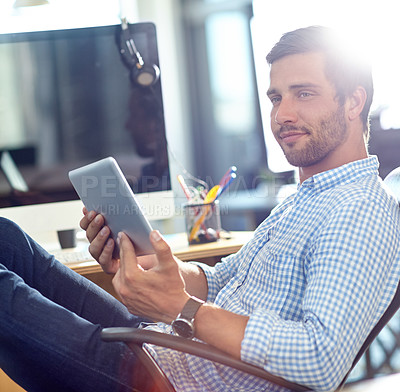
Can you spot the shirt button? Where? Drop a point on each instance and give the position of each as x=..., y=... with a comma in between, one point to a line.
x=236, y=285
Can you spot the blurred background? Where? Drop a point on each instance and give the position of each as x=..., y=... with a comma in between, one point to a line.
x=215, y=77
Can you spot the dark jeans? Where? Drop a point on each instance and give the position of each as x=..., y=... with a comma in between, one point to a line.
x=50, y=323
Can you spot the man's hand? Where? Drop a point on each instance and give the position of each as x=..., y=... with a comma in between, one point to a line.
x=157, y=287
x=102, y=245
x=158, y=293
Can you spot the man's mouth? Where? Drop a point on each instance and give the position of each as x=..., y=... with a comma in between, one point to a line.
x=292, y=135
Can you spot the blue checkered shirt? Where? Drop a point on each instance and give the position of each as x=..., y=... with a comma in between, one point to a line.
x=315, y=279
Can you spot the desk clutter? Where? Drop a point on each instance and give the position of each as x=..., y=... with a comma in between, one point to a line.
x=202, y=212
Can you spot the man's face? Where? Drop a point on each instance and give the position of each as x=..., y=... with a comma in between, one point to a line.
x=306, y=119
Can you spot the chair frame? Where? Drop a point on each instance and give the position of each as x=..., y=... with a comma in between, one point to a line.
x=135, y=337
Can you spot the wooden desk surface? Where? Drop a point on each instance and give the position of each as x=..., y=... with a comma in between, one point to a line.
x=182, y=250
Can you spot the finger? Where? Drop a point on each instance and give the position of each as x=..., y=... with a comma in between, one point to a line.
x=108, y=263
x=161, y=247
x=87, y=218
x=94, y=227
x=98, y=243
x=128, y=259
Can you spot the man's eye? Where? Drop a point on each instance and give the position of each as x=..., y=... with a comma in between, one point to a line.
x=275, y=100
x=305, y=94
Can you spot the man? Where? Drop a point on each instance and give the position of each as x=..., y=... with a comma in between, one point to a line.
x=299, y=299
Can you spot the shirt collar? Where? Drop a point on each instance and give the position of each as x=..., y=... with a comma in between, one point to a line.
x=341, y=175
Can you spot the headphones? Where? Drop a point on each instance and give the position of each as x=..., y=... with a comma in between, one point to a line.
x=142, y=74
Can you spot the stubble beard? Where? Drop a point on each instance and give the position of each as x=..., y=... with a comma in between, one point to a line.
x=322, y=140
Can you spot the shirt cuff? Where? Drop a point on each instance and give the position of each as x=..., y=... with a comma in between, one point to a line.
x=209, y=273
x=256, y=341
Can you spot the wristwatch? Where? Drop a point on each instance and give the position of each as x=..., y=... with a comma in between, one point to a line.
x=183, y=325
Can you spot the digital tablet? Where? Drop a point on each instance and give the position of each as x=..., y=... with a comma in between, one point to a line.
x=102, y=187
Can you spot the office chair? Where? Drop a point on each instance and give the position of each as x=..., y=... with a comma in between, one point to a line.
x=135, y=338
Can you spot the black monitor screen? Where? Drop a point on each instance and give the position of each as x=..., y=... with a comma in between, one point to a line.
x=67, y=98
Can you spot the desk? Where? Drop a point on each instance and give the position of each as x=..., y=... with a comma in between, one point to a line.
x=209, y=253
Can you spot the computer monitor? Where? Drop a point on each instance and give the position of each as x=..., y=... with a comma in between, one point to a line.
x=71, y=97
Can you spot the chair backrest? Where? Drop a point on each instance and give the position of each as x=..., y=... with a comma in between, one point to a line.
x=389, y=313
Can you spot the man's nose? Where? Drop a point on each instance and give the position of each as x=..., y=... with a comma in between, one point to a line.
x=285, y=113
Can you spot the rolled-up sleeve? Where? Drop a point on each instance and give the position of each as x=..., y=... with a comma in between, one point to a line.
x=218, y=276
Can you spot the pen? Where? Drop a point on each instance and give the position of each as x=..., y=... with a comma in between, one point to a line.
x=185, y=188
x=225, y=178
x=212, y=194
x=227, y=183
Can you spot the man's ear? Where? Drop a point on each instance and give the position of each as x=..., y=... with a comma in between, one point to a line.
x=356, y=103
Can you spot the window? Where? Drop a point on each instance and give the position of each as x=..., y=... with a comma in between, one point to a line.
x=224, y=105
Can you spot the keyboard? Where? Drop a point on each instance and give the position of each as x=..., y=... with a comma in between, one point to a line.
x=70, y=256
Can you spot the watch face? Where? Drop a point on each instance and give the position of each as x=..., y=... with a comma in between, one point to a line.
x=183, y=327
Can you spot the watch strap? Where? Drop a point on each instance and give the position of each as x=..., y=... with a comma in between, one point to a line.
x=191, y=307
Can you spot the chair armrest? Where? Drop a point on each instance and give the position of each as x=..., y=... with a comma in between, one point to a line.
x=140, y=336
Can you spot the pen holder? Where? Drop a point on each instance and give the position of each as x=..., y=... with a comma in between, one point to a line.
x=203, y=222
